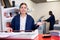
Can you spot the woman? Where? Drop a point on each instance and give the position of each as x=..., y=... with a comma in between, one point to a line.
x=51, y=19
x=23, y=21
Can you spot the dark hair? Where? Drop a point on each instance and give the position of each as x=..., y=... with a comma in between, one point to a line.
x=50, y=13
x=22, y=4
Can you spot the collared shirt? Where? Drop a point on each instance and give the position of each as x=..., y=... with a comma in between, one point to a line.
x=22, y=22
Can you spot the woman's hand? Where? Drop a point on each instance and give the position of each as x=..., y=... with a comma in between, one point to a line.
x=9, y=29
x=40, y=23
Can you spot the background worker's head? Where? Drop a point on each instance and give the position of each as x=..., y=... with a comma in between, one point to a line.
x=50, y=13
x=23, y=8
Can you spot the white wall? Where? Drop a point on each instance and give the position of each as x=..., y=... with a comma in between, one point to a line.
x=18, y=2
x=0, y=16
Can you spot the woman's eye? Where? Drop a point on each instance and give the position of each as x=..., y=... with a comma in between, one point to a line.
x=23, y=7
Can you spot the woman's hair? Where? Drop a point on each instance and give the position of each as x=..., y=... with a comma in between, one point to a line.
x=22, y=4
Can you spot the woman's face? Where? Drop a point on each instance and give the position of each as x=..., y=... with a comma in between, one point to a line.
x=23, y=9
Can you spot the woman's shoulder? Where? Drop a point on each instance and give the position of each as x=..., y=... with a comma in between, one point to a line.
x=18, y=15
x=30, y=16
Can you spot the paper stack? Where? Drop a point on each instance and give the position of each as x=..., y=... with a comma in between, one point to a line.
x=55, y=33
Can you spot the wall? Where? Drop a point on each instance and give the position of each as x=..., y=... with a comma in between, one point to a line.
x=0, y=16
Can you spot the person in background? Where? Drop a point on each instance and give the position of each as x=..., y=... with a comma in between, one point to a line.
x=51, y=19
x=23, y=21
